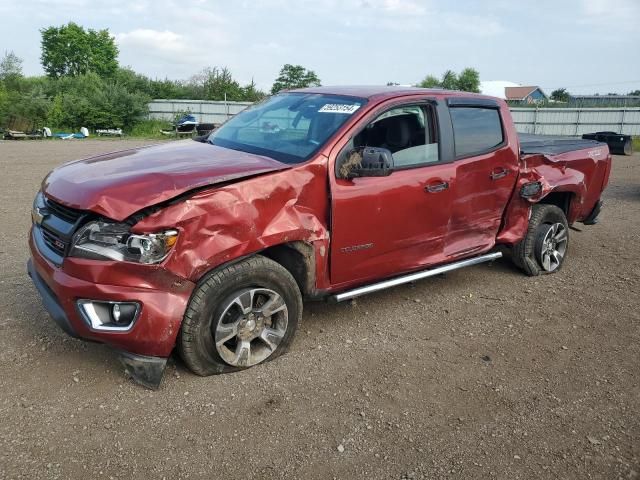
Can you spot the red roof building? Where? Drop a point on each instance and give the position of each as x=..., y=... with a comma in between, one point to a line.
x=525, y=94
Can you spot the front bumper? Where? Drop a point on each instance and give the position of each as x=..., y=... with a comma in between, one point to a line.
x=50, y=302
x=162, y=295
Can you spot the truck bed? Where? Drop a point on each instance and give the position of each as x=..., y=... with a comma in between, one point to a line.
x=552, y=145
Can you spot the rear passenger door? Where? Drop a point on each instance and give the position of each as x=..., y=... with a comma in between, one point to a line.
x=486, y=170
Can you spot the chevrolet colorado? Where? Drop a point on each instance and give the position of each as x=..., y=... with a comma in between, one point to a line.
x=324, y=193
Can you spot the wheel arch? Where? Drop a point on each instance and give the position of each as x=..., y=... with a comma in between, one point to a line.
x=300, y=260
x=561, y=199
x=297, y=257
x=567, y=200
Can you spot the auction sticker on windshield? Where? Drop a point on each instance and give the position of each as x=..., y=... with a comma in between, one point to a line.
x=338, y=108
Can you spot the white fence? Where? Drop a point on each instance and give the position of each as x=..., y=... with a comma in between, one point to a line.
x=576, y=121
x=205, y=111
x=542, y=121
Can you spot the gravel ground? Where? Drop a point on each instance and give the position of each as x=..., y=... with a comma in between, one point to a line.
x=482, y=373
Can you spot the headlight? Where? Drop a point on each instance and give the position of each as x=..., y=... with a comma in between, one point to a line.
x=102, y=240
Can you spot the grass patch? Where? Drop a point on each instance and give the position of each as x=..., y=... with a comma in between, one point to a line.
x=636, y=144
x=149, y=129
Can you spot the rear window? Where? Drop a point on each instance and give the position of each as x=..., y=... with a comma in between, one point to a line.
x=476, y=129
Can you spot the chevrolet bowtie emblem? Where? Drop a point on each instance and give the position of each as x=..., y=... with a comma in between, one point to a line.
x=37, y=215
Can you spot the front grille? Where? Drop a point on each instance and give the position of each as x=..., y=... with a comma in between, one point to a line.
x=53, y=241
x=68, y=214
x=54, y=233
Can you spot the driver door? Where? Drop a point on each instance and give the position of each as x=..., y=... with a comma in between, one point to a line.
x=382, y=226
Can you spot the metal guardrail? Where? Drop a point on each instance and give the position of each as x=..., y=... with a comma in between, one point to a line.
x=541, y=121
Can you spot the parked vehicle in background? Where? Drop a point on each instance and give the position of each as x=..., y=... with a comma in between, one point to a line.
x=322, y=193
x=109, y=132
x=618, y=144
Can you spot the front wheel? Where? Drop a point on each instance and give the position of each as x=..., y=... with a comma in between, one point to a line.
x=240, y=316
x=545, y=247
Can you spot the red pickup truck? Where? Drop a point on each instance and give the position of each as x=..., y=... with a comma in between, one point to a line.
x=211, y=246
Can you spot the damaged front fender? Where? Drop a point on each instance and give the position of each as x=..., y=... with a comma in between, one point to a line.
x=232, y=221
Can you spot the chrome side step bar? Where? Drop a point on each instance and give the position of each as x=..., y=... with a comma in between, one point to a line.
x=374, y=287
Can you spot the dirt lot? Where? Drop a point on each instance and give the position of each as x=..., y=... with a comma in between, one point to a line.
x=484, y=373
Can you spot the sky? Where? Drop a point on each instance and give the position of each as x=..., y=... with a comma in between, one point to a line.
x=586, y=46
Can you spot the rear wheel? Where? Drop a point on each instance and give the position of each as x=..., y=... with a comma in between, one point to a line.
x=551, y=246
x=545, y=247
x=240, y=316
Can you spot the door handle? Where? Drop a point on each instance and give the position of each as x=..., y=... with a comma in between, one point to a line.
x=495, y=175
x=437, y=187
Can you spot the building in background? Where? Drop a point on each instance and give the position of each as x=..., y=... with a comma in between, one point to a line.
x=512, y=92
x=525, y=95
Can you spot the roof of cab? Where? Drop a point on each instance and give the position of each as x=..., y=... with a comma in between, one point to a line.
x=370, y=91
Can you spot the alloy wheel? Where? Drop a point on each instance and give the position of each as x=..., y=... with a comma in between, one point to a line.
x=252, y=325
x=553, y=247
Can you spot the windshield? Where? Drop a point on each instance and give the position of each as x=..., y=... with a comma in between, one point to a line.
x=289, y=127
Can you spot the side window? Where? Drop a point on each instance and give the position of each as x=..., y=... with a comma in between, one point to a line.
x=475, y=129
x=407, y=131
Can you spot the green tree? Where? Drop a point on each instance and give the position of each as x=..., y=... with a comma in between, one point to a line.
x=215, y=83
x=4, y=105
x=635, y=93
x=23, y=101
x=94, y=102
x=10, y=67
x=251, y=93
x=23, y=110
x=469, y=80
x=104, y=53
x=294, y=76
x=56, y=115
x=32, y=109
x=429, y=82
x=132, y=81
x=560, y=95
x=170, y=89
x=449, y=80
x=72, y=50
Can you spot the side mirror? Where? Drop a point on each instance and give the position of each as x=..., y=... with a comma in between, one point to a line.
x=367, y=162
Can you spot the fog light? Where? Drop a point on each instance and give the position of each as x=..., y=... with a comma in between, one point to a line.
x=109, y=316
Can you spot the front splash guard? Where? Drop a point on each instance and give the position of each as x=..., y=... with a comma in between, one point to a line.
x=147, y=371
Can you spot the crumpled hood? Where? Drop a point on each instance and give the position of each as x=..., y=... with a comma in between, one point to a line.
x=119, y=184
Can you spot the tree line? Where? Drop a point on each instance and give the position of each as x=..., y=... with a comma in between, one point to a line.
x=468, y=80
x=84, y=85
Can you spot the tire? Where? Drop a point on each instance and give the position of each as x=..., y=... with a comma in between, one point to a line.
x=548, y=232
x=233, y=306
